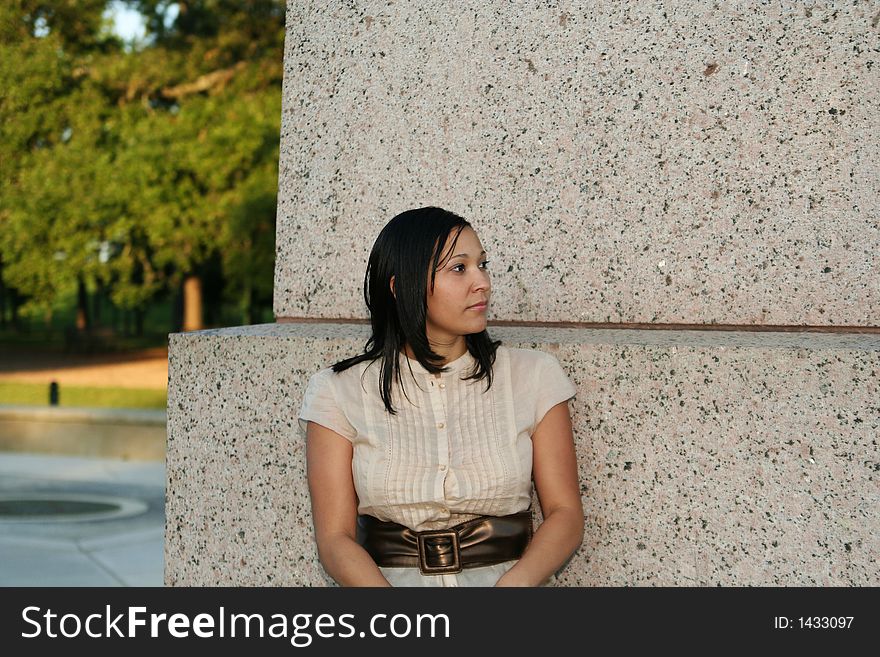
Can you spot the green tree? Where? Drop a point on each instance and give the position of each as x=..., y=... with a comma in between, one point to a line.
x=131, y=171
x=201, y=144
x=51, y=127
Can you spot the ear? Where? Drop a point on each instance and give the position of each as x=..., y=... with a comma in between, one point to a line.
x=392, y=289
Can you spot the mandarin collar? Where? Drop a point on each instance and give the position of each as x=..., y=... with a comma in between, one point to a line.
x=464, y=361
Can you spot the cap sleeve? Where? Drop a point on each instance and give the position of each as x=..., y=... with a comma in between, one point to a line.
x=554, y=386
x=319, y=405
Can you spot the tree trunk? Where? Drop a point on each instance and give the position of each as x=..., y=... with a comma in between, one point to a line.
x=248, y=303
x=82, y=306
x=96, y=304
x=192, y=303
x=15, y=302
x=2, y=296
x=139, y=314
x=177, y=309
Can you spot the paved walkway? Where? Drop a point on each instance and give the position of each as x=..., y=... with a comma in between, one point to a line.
x=147, y=368
x=120, y=551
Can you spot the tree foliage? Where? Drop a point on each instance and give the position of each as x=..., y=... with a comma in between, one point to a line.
x=132, y=168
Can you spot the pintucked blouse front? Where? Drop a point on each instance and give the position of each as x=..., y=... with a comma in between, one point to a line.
x=454, y=451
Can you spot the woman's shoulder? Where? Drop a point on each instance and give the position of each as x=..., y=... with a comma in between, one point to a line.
x=520, y=357
x=526, y=366
x=348, y=377
x=540, y=377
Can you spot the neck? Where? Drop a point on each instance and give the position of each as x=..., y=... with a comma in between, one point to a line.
x=450, y=352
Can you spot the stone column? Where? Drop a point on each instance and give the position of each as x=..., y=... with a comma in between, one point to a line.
x=679, y=201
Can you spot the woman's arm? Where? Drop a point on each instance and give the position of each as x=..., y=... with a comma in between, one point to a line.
x=334, y=509
x=554, y=467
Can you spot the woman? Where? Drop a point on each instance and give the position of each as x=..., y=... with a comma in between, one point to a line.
x=435, y=427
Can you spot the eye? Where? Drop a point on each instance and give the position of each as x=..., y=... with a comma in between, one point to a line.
x=485, y=264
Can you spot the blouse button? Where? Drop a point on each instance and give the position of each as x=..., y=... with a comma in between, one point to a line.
x=442, y=468
x=440, y=425
x=442, y=385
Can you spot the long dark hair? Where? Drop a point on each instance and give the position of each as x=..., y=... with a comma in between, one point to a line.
x=403, y=249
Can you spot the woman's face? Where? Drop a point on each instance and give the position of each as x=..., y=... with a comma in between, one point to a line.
x=461, y=281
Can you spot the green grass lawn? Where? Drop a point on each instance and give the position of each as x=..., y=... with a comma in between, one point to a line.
x=37, y=394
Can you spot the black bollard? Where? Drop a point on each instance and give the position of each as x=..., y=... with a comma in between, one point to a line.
x=53, y=393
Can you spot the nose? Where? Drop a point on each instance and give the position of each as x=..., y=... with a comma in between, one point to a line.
x=482, y=281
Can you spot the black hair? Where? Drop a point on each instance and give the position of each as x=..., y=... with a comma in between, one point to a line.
x=403, y=250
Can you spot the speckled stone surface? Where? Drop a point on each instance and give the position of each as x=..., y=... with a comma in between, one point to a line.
x=622, y=162
x=705, y=457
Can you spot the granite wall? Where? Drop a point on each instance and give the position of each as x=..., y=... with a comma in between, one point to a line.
x=674, y=162
x=706, y=457
x=699, y=181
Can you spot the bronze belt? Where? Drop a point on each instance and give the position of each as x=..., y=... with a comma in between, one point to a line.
x=483, y=541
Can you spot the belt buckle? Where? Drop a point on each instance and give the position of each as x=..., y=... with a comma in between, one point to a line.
x=424, y=567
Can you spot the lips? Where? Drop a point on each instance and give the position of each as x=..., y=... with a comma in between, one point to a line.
x=478, y=306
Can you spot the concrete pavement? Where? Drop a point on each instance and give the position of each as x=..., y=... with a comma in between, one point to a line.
x=125, y=549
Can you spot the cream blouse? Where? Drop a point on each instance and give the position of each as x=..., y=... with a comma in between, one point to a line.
x=453, y=452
